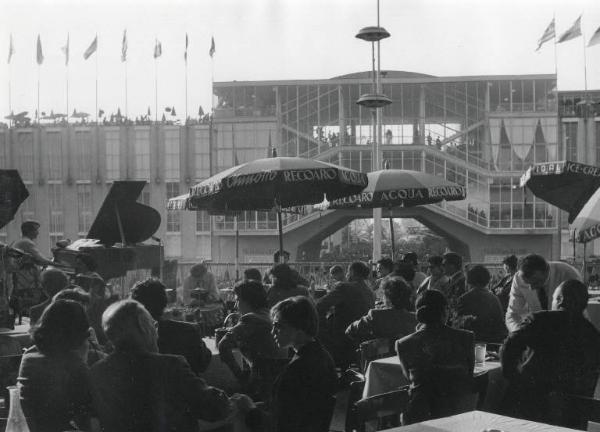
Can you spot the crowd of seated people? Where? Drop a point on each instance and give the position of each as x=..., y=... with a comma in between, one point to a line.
x=145, y=377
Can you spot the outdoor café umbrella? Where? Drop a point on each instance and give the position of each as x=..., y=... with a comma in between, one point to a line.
x=391, y=188
x=565, y=184
x=276, y=182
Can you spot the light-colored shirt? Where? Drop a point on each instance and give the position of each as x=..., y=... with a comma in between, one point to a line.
x=524, y=300
x=28, y=246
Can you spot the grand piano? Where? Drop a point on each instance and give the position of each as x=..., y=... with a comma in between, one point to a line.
x=120, y=227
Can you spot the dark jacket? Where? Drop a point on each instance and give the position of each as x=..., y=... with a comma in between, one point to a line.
x=346, y=302
x=480, y=311
x=277, y=293
x=502, y=290
x=35, y=312
x=147, y=392
x=252, y=335
x=303, y=394
x=185, y=339
x=387, y=323
x=563, y=355
x=54, y=391
x=438, y=362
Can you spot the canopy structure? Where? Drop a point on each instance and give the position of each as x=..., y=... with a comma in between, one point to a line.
x=565, y=184
x=272, y=183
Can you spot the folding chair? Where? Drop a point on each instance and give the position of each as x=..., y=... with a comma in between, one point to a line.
x=385, y=409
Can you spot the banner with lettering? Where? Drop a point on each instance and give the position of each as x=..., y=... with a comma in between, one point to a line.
x=281, y=181
x=392, y=188
x=566, y=184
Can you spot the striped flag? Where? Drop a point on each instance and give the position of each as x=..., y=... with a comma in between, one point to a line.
x=124, y=47
x=40, y=54
x=157, y=49
x=573, y=32
x=11, y=49
x=186, y=47
x=549, y=34
x=91, y=49
x=65, y=50
x=211, y=51
x=595, y=39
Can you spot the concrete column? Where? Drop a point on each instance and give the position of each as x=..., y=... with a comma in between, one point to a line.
x=421, y=139
x=342, y=116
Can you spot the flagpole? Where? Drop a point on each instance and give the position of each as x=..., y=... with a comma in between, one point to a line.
x=10, y=92
x=555, y=55
x=584, y=63
x=67, y=82
x=186, y=87
x=97, y=53
x=155, y=90
x=37, y=114
x=126, y=111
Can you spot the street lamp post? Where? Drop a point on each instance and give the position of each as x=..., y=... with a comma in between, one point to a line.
x=375, y=101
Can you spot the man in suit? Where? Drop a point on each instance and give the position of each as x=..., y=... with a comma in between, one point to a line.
x=391, y=322
x=135, y=389
x=174, y=337
x=562, y=354
x=437, y=279
x=479, y=310
x=457, y=284
x=502, y=288
x=437, y=361
x=345, y=303
x=533, y=287
x=53, y=280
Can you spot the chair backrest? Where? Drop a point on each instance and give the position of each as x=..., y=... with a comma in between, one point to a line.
x=327, y=414
x=354, y=394
x=384, y=408
x=374, y=349
x=574, y=411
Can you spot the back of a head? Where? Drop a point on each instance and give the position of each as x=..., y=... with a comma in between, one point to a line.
x=387, y=264
x=198, y=270
x=397, y=292
x=478, y=276
x=129, y=326
x=454, y=259
x=152, y=294
x=359, y=270
x=63, y=327
x=298, y=312
x=252, y=274
x=53, y=280
x=74, y=293
x=252, y=292
x=405, y=270
x=511, y=261
x=411, y=258
x=29, y=226
x=431, y=307
x=277, y=256
x=533, y=263
x=283, y=275
x=336, y=270
x=574, y=296
x=435, y=261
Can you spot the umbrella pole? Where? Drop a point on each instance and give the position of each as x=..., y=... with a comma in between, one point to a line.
x=392, y=233
x=583, y=265
x=237, y=249
x=574, y=248
x=280, y=228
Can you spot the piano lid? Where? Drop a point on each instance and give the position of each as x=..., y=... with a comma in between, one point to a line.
x=123, y=220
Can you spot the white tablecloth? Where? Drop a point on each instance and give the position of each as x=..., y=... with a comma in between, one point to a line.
x=479, y=421
x=384, y=375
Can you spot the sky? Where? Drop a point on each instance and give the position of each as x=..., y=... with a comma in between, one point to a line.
x=271, y=40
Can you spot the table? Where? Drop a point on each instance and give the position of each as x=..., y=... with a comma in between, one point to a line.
x=384, y=375
x=478, y=421
x=209, y=316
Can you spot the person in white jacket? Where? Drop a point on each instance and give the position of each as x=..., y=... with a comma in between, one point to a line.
x=533, y=286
